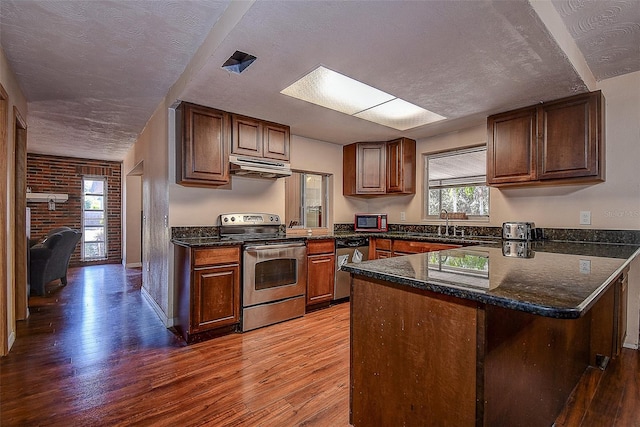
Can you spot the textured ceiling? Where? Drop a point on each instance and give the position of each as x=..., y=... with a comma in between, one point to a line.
x=606, y=32
x=93, y=72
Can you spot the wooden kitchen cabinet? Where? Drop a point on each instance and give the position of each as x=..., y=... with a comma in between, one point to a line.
x=551, y=143
x=321, y=268
x=379, y=248
x=208, y=281
x=203, y=138
x=364, y=169
x=259, y=138
x=386, y=248
x=621, y=301
x=609, y=322
x=401, y=166
x=406, y=247
x=379, y=168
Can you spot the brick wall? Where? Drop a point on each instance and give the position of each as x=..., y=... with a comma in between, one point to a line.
x=53, y=174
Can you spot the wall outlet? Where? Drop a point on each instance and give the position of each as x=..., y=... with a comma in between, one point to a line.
x=585, y=217
x=585, y=266
x=403, y=217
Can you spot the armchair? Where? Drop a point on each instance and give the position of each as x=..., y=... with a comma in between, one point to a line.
x=50, y=258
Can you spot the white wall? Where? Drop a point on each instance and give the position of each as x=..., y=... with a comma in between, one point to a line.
x=189, y=206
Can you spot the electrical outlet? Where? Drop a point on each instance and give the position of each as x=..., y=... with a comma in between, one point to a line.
x=403, y=217
x=585, y=217
x=585, y=266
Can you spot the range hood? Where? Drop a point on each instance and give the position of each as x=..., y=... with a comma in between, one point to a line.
x=254, y=167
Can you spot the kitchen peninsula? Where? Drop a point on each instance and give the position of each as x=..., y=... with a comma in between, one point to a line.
x=472, y=336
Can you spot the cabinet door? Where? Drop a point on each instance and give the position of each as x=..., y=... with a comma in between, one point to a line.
x=371, y=168
x=203, y=151
x=401, y=166
x=276, y=141
x=246, y=136
x=511, y=147
x=320, y=278
x=570, y=143
x=216, y=297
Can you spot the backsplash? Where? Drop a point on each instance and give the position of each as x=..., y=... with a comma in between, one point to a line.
x=556, y=234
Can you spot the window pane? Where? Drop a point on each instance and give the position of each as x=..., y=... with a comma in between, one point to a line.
x=306, y=198
x=93, y=186
x=94, y=251
x=473, y=200
x=93, y=218
x=456, y=181
x=94, y=234
x=94, y=202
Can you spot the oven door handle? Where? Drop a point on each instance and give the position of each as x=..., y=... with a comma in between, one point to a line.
x=255, y=248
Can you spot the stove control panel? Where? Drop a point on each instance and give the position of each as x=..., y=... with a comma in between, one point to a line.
x=249, y=219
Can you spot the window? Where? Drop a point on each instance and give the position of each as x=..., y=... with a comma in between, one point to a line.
x=307, y=200
x=456, y=181
x=94, y=218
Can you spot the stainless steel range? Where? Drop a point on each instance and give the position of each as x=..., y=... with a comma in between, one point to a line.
x=274, y=268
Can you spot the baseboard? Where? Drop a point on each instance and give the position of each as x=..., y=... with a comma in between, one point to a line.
x=133, y=265
x=154, y=305
x=630, y=345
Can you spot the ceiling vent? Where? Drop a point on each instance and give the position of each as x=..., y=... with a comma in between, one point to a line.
x=238, y=62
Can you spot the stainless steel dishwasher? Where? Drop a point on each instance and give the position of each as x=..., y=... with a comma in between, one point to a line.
x=346, y=247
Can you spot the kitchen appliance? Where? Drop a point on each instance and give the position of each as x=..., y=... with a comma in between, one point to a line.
x=255, y=167
x=519, y=231
x=517, y=237
x=345, y=249
x=274, y=268
x=370, y=222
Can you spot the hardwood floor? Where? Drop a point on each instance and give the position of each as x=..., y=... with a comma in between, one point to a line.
x=95, y=353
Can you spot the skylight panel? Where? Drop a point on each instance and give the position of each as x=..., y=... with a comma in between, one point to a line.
x=338, y=92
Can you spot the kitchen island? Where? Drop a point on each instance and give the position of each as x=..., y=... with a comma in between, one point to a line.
x=472, y=336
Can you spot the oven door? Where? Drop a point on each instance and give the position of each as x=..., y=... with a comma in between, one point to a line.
x=273, y=272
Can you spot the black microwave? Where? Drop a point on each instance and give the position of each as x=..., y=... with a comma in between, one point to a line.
x=370, y=222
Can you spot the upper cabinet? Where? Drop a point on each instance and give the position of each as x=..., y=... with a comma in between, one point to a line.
x=258, y=138
x=401, y=166
x=551, y=143
x=203, y=139
x=379, y=168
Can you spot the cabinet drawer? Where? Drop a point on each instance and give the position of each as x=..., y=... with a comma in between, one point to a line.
x=416, y=247
x=320, y=247
x=225, y=255
x=383, y=244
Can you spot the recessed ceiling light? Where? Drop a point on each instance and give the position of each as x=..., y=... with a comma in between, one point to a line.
x=338, y=92
x=238, y=62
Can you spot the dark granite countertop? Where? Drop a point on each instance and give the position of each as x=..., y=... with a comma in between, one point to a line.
x=212, y=241
x=560, y=279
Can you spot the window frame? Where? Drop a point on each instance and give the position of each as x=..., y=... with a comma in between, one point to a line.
x=326, y=184
x=425, y=185
x=104, y=196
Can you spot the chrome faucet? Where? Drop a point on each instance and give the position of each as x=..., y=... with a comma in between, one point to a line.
x=446, y=218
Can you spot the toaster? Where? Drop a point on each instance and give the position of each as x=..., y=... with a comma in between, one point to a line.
x=519, y=231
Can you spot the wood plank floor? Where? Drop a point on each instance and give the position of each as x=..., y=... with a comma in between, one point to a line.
x=95, y=353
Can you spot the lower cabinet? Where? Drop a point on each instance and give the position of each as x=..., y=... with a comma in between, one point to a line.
x=609, y=322
x=208, y=281
x=321, y=267
x=386, y=248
